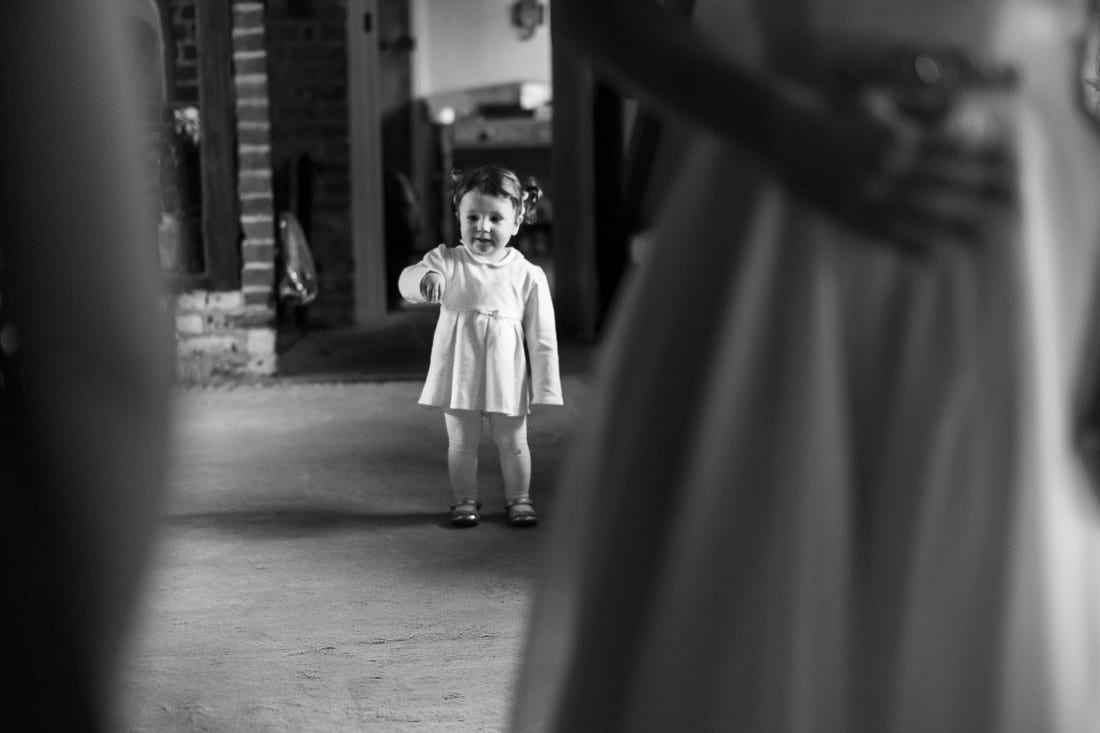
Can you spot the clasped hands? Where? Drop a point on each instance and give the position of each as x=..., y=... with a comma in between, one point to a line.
x=906, y=179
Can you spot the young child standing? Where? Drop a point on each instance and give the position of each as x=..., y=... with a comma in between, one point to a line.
x=495, y=350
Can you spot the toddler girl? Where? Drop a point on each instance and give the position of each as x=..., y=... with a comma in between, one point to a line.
x=493, y=304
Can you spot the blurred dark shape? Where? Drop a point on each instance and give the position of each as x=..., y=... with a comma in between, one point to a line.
x=88, y=359
x=404, y=220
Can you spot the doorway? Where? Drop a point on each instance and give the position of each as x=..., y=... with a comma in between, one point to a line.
x=386, y=211
x=407, y=60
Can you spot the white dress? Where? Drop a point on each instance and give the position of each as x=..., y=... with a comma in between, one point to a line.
x=495, y=347
x=839, y=492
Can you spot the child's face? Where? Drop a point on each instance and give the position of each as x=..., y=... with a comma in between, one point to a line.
x=487, y=223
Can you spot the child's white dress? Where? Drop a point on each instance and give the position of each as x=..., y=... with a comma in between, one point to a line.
x=490, y=312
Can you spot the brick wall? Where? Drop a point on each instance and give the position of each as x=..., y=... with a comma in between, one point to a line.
x=219, y=337
x=185, y=71
x=290, y=73
x=179, y=172
x=232, y=334
x=307, y=49
x=250, y=68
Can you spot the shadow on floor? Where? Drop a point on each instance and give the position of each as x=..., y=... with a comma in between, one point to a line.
x=296, y=521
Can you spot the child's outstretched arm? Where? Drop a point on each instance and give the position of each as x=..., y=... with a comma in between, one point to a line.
x=425, y=282
x=540, y=332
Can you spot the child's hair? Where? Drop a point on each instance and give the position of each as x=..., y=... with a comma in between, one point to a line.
x=496, y=180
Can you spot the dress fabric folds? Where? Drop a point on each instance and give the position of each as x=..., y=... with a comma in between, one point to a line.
x=839, y=493
x=495, y=346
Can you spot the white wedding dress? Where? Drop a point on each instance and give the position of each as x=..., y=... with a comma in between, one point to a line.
x=829, y=486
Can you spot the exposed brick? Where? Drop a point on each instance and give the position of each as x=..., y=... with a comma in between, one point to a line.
x=252, y=182
x=304, y=113
x=260, y=228
x=257, y=206
x=257, y=252
x=248, y=15
x=333, y=32
x=316, y=53
x=251, y=41
x=258, y=276
x=340, y=188
x=251, y=317
x=194, y=300
x=263, y=366
x=192, y=370
x=225, y=300
x=252, y=97
x=253, y=134
x=252, y=113
x=256, y=149
x=268, y=231
x=335, y=150
x=188, y=94
x=189, y=324
x=250, y=85
x=258, y=297
x=209, y=368
x=250, y=64
x=290, y=32
x=252, y=159
x=261, y=342
x=330, y=11
x=220, y=344
x=218, y=322
x=324, y=131
x=256, y=317
x=323, y=90
x=309, y=115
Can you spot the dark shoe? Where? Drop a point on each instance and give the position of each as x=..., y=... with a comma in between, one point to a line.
x=465, y=513
x=521, y=513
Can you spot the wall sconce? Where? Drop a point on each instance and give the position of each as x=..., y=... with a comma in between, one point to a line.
x=527, y=16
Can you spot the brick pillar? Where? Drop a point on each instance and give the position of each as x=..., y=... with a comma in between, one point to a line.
x=254, y=177
x=231, y=334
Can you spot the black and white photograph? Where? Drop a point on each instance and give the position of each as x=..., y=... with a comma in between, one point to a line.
x=550, y=366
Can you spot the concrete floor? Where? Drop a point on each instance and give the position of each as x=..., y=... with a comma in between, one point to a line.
x=306, y=578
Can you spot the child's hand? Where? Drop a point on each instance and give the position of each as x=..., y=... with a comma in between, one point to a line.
x=431, y=287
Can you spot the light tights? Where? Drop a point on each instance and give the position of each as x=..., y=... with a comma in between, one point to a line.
x=510, y=435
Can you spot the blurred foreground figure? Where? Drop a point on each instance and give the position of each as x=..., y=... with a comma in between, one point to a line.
x=86, y=364
x=839, y=492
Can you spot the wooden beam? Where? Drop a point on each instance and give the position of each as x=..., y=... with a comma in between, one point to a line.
x=641, y=152
x=218, y=147
x=610, y=234
x=576, y=293
x=367, y=231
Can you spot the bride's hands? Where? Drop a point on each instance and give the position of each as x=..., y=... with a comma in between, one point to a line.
x=893, y=174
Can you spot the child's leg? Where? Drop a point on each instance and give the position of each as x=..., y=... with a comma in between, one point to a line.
x=510, y=435
x=463, y=437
